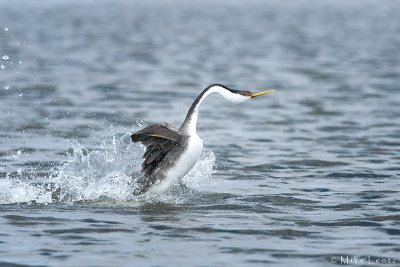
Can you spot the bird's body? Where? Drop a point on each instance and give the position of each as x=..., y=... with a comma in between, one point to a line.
x=170, y=152
x=179, y=162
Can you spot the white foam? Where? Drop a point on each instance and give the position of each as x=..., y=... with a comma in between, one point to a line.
x=16, y=191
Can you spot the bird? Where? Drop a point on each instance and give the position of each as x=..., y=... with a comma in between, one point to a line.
x=171, y=152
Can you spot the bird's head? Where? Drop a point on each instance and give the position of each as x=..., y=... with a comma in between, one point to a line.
x=236, y=96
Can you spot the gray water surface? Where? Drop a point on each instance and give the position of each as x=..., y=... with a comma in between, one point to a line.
x=299, y=177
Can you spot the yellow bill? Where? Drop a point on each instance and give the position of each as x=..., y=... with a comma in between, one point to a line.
x=253, y=95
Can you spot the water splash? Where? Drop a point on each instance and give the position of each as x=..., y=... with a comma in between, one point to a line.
x=108, y=173
x=201, y=172
x=105, y=175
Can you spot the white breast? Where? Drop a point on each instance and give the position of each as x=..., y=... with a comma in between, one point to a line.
x=184, y=164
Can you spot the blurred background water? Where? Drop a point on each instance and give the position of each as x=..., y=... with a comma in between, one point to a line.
x=292, y=179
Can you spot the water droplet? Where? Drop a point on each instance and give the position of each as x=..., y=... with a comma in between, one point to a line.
x=5, y=57
x=6, y=87
x=20, y=61
x=19, y=152
x=5, y=28
x=21, y=94
x=2, y=66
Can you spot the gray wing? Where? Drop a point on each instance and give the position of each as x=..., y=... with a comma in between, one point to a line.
x=158, y=139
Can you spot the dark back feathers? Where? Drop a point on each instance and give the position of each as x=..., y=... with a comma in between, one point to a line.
x=158, y=139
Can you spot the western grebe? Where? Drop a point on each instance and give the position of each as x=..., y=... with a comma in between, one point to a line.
x=170, y=152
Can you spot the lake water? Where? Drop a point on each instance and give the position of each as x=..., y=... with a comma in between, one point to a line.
x=300, y=177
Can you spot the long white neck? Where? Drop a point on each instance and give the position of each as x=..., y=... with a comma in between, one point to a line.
x=190, y=124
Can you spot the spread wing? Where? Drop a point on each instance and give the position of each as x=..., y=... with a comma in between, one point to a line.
x=158, y=139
